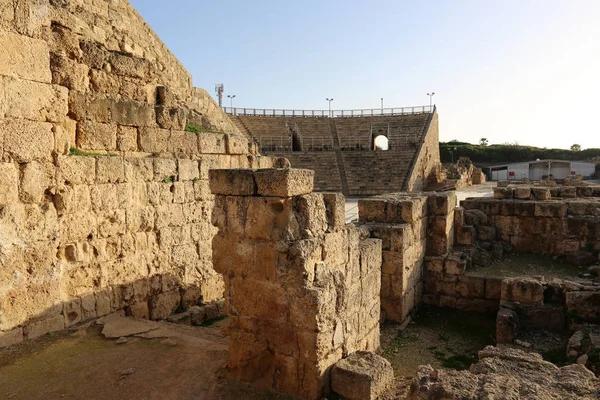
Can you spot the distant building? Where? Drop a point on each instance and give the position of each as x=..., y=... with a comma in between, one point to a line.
x=540, y=169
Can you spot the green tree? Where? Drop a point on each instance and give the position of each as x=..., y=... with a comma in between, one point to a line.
x=483, y=142
x=576, y=147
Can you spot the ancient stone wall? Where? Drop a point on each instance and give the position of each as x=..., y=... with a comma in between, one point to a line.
x=427, y=157
x=301, y=287
x=400, y=221
x=104, y=199
x=530, y=220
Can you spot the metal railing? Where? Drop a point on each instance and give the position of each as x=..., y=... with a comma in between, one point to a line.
x=369, y=112
x=280, y=143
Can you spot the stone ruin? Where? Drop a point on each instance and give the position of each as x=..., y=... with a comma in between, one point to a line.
x=125, y=190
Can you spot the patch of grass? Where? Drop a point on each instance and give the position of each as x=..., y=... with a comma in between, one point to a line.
x=195, y=180
x=74, y=151
x=214, y=321
x=169, y=180
x=195, y=128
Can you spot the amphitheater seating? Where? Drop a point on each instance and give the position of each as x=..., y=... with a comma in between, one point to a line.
x=339, y=149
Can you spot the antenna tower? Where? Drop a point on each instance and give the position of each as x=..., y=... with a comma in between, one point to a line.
x=219, y=88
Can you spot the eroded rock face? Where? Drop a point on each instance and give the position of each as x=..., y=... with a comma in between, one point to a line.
x=507, y=374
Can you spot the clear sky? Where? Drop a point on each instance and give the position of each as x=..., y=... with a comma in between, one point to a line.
x=511, y=70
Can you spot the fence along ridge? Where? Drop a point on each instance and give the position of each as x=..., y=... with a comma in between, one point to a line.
x=366, y=112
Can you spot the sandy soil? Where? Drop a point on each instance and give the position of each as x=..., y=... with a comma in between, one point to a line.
x=83, y=364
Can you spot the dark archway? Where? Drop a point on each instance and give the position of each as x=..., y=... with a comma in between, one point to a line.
x=296, y=142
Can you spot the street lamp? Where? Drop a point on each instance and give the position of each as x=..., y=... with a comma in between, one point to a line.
x=452, y=150
x=329, y=100
x=430, y=98
x=231, y=100
x=382, y=105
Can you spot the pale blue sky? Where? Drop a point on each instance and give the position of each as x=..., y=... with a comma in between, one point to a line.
x=525, y=71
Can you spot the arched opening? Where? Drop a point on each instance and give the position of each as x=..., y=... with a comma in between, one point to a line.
x=296, y=142
x=380, y=143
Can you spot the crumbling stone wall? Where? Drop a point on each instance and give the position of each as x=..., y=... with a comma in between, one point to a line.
x=530, y=220
x=301, y=287
x=427, y=158
x=104, y=198
x=400, y=221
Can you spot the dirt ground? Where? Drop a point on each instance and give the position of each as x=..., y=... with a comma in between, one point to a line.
x=530, y=265
x=82, y=364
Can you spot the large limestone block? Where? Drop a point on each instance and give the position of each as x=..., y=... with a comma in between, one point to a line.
x=522, y=290
x=69, y=73
x=237, y=144
x=541, y=193
x=35, y=179
x=35, y=101
x=96, y=136
x=9, y=183
x=235, y=182
x=335, y=209
x=26, y=140
x=76, y=170
x=584, y=305
x=110, y=170
x=24, y=57
x=211, y=143
x=441, y=203
x=284, y=182
x=503, y=192
x=372, y=210
x=551, y=209
x=362, y=376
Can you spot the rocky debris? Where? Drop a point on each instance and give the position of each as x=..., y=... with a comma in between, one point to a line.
x=507, y=325
x=506, y=374
x=362, y=376
x=116, y=326
x=122, y=340
x=199, y=315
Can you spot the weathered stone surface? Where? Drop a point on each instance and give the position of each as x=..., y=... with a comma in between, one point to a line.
x=11, y=337
x=284, y=182
x=26, y=140
x=584, y=304
x=541, y=193
x=362, y=375
x=506, y=373
x=238, y=182
x=503, y=192
x=24, y=57
x=35, y=101
x=522, y=290
x=96, y=136
x=9, y=183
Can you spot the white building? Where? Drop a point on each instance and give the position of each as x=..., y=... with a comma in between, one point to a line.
x=540, y=169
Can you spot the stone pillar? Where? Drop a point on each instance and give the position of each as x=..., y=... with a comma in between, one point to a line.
x=400, y=220
x=301, y=287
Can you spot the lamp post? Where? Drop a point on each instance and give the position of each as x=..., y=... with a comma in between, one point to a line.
x=430, y=98
x=329, y=100
x=382, y=106
x=452, y=150
x=231, y=100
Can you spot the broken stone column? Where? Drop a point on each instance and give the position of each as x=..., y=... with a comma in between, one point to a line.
x=301, y=287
